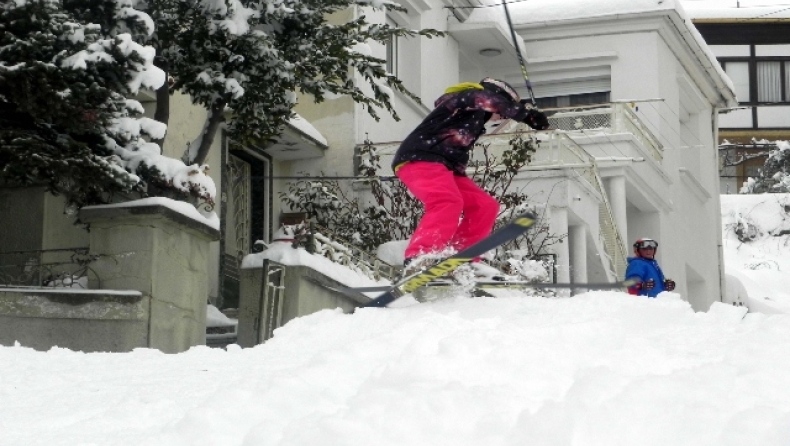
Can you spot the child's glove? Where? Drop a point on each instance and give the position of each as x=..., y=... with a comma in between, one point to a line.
x=648, y=284
x=536, y=119
x=669, y=285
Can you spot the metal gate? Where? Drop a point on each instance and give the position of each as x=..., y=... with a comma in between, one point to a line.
x=270, y=302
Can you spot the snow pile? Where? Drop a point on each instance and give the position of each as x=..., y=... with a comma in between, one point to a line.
x=209, y=218
x=601, y=368
x=756, y=245
x=281, y=250
x=215, y=318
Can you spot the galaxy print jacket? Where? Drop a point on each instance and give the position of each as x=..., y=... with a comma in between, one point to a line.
x=449, y=132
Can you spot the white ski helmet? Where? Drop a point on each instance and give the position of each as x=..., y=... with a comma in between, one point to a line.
x=500, y=87
x=645, y=243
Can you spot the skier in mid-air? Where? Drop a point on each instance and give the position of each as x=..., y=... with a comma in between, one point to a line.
x=431, y=163
x=644, y=269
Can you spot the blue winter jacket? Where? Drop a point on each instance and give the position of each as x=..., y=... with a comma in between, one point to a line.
x=644, y=270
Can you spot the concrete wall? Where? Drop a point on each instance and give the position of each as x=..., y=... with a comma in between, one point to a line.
x=304, y=292
x=148, y=287
x=21, y=217
x=162, y=254
x=81, y=320
x=185, y=125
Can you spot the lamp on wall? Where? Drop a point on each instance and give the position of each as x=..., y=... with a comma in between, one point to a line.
x=490, y=52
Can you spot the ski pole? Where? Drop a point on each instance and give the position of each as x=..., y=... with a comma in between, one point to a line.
x=520, y=57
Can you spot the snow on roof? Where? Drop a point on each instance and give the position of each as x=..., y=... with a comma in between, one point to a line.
x=559, y=10
x=304, y=126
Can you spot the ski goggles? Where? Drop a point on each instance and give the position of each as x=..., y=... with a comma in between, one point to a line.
x=647, y=244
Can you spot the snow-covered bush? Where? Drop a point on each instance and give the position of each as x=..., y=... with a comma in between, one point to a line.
x=774, y=176
x=744, y=228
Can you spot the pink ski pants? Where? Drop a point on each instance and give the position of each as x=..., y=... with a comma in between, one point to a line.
x=446, y=197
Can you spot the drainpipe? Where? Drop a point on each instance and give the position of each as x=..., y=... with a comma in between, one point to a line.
x=719, y=244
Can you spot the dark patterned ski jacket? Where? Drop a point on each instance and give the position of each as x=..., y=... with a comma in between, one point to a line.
x=449, y=132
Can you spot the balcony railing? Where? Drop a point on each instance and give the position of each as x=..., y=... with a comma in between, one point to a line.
x=611, y=118
x=558, y=150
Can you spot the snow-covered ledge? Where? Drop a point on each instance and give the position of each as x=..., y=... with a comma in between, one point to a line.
x=160, y=248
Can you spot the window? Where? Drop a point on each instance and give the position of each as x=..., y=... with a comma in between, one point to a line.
x=574, y=100
x=769, y=82
x=738, y=72
x=392, y=50
x=759, y=80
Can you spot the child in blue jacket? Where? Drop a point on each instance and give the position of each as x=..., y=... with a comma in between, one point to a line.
x=644, y=268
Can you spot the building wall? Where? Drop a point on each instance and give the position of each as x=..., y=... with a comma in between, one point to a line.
x=427, y=67
x=644, y=65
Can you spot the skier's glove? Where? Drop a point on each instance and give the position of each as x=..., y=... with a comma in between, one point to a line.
x=669, y=285
x=648, y=284
x=536, y=119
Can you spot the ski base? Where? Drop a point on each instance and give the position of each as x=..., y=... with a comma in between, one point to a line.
x=503, y=235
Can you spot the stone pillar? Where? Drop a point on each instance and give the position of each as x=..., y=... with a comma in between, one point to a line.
x=163, y=254
x=577, y=241
x=617, y=200
x=558, y=226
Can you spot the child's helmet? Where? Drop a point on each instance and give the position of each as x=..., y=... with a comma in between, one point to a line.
x=500, y=87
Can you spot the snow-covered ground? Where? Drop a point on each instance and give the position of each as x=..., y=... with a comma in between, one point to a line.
x=761, y=263
x=601, y=368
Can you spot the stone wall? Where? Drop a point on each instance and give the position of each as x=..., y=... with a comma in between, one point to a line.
x=148, y=287
x=265, y=306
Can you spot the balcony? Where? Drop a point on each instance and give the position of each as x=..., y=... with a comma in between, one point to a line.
x=590, y=120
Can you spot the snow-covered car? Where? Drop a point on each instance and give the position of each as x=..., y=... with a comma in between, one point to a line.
x=221, y=330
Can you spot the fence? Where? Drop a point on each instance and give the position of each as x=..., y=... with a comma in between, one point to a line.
x=321, y=241
x=60, y=268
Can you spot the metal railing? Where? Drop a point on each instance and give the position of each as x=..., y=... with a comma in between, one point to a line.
x=609, y=233
x=611, y=118
x=626, y=121
x=323, y=242
x=58, y=268
x=558, y=150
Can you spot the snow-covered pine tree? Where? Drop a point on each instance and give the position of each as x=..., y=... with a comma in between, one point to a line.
x=65, y=120
x=251, y=57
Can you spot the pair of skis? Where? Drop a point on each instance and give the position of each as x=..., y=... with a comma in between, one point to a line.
x=429, y=276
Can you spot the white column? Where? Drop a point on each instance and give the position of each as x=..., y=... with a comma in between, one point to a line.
x=559, y=226
x=577, y=241
x=616, y=192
